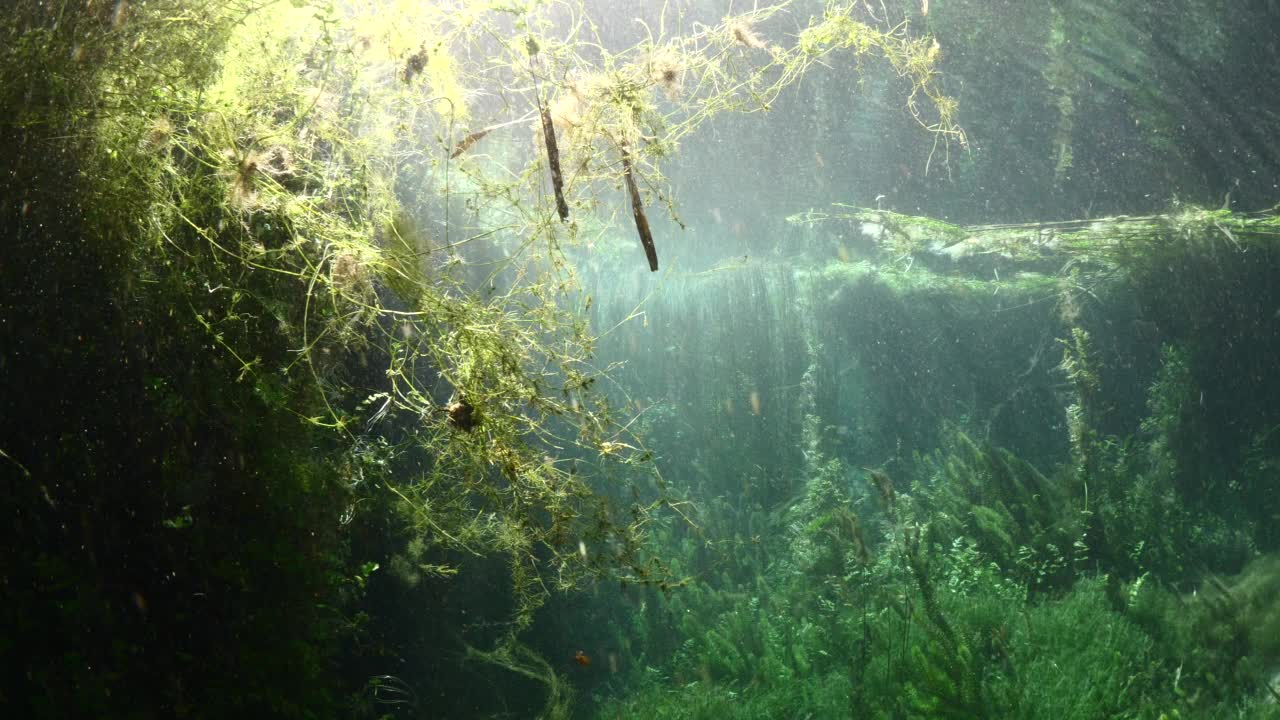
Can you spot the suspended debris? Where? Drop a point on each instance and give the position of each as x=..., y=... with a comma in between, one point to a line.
x=744, y=34
x=462, y=415
x=416, y=63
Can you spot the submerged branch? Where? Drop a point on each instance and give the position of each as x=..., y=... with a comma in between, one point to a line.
x=637, y=211
x=553, y=161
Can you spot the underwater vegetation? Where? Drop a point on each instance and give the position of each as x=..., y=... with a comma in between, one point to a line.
x=966, y=581
x=342, y=378
x=1110, y=573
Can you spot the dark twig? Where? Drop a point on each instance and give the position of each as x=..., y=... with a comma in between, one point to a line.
x=553, y=160
x=637, y=210
x=549, y=137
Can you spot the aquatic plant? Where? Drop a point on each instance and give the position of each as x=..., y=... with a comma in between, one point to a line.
x=1024, y=523
x=1078, y=364
x=1135, y=245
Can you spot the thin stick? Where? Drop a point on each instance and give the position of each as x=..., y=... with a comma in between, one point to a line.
x=637, y=211
x=553, y=160
x=548, y=135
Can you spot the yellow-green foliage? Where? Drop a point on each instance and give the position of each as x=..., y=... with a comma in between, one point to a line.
x=914, y=58
x=280, y=177
x=262, y=195
x=519, y=659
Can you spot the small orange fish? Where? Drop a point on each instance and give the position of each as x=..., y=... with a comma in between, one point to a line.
x=582, y=658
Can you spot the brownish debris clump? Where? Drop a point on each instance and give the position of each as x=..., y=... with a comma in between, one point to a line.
x=416, y=63
x=348, y=273
x=276, y=162
x=468, y=141
x=462, y=415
